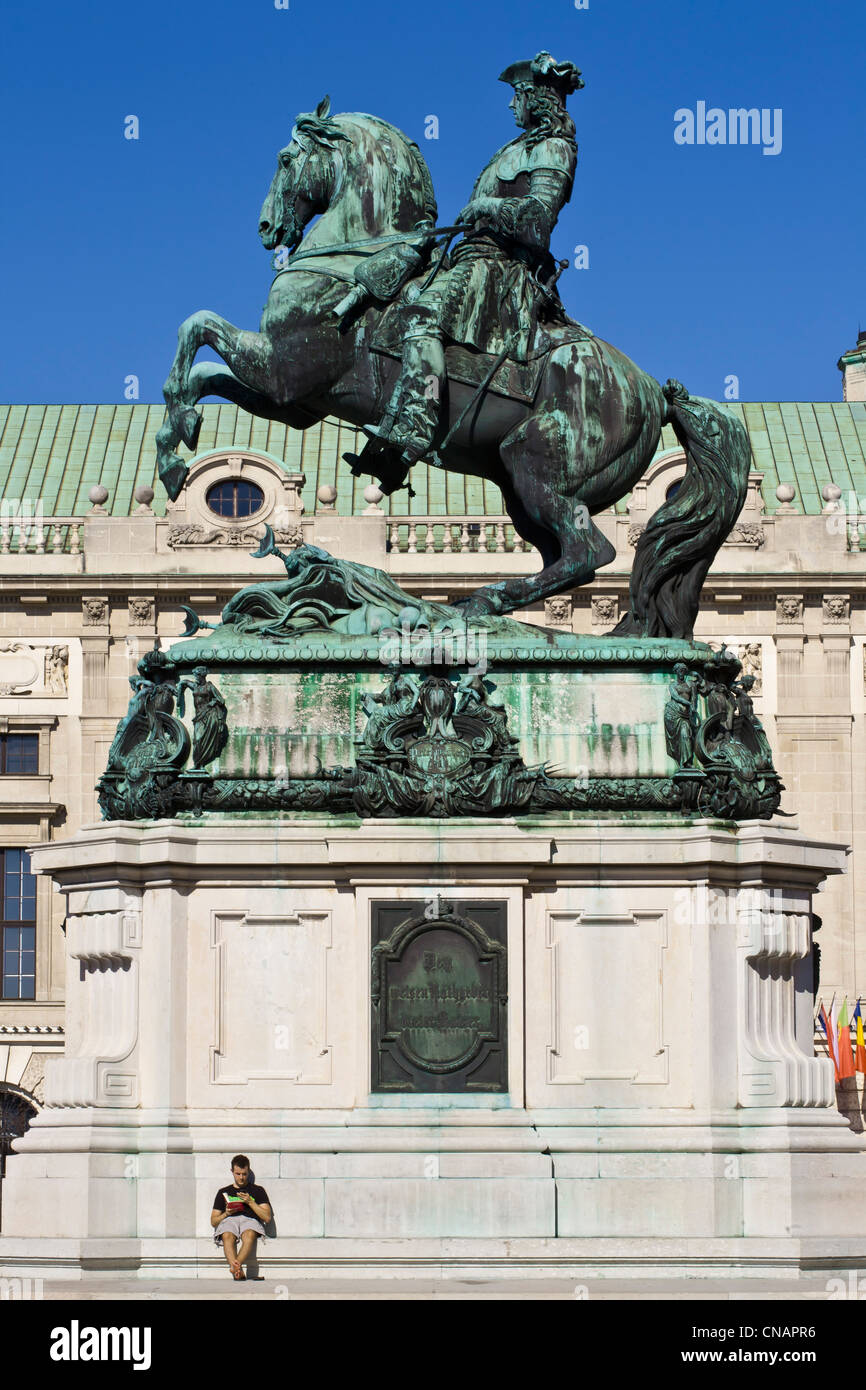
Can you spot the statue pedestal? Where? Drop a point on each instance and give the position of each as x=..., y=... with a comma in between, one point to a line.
x=640, y=1094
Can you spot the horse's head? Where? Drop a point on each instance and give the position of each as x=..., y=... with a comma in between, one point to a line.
x=381, y=174
x=304, y=183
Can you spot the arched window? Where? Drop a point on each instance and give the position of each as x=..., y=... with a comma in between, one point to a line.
x=16, y=1113
x=234, y=498
x=673, y=489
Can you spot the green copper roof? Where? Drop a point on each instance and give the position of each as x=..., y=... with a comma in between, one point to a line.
x=58, y=452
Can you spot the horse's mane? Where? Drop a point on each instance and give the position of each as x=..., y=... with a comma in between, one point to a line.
x=413, y=153
x=330, y=130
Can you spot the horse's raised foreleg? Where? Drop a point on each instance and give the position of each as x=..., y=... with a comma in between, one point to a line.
x=249, y=356
x=213, y=379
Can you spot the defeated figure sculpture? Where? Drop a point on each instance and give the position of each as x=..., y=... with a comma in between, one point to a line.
x=210, y=732
x=320, y=592
x=471, y=363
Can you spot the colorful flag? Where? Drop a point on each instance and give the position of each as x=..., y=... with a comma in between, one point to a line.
x=830, y=1034
x=846, y=1056
x=860, y=1063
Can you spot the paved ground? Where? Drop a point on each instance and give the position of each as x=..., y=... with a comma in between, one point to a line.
x=276, y=1288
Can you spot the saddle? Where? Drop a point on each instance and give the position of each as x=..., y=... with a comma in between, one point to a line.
x=518, y=381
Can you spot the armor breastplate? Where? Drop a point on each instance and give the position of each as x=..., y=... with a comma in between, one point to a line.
x=499, y=182
x=509, y=171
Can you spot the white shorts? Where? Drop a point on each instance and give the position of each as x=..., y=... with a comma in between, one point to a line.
x=236, y=1225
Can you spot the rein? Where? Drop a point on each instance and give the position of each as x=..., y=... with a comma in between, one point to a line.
x=367, y=245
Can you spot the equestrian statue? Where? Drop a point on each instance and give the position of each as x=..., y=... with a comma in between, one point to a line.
x=451, y=345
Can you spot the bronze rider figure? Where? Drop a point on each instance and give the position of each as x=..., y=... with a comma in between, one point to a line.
x=501, y=280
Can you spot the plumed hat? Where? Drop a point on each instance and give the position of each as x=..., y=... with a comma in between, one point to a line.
x=544, y=71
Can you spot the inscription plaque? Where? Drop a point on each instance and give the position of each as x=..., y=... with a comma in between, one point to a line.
x=439, y=995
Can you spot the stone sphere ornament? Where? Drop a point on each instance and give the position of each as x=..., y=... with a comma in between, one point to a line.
x=831, y=492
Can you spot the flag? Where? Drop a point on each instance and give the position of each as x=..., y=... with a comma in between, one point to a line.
x=846, y=1056
x=860, y=1063
x=830, y=1034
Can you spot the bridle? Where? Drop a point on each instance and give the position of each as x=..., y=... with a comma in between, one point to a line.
x=338, y=173
x=297, y=229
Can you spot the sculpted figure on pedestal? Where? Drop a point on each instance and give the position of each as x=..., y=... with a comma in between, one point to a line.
x=719, y=697
x=747, y=726
x=680, y=717
x=209, y=721
x=150, y=746
x=397, y=702
x=471, y=362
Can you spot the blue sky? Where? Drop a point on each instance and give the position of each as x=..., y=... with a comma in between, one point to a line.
x=704, y=261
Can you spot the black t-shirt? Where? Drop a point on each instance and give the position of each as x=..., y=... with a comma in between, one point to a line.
x=258, y=1194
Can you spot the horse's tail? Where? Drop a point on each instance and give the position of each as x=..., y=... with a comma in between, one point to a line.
x=681, y=539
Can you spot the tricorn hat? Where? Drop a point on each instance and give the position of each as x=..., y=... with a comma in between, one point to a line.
x=544, y=71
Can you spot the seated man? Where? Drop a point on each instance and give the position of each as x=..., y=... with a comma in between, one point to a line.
x=240, y=1212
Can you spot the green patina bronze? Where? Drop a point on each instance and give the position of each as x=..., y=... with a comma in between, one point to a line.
x=466, y=358
x=339, y=694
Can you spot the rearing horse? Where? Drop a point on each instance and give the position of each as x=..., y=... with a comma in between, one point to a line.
x=590, y=433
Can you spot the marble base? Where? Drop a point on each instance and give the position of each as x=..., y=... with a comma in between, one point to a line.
x=796, y=1263
x=664, y=1112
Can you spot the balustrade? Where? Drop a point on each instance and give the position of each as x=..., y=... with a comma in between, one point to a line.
x=55, y=535
x=453, y=535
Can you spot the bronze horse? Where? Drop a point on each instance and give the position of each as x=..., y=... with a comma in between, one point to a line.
x=583, y=443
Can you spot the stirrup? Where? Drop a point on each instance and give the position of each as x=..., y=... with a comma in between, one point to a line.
x=377, y=433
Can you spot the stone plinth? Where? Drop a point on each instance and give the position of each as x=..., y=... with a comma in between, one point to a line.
x=663, y=1111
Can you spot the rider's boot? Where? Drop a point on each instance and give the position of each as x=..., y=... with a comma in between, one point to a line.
x=412, y=416
x=382, y=462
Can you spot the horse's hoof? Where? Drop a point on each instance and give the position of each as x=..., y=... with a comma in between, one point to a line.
x=189, y=424
x=172, y=475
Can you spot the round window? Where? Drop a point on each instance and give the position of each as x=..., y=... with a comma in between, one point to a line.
x=234, y=498
x=673, y=490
